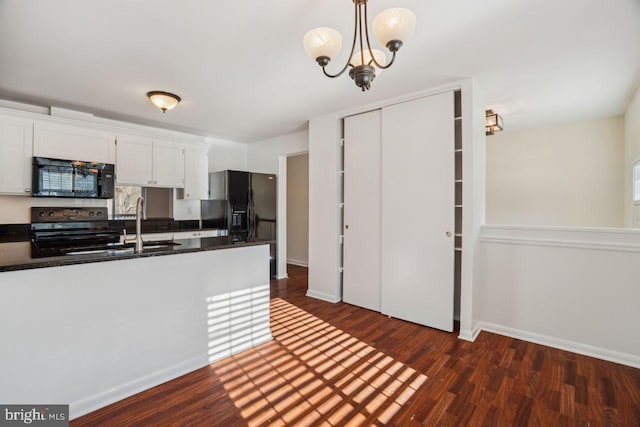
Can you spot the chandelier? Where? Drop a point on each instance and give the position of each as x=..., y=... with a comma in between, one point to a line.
x=391, y=28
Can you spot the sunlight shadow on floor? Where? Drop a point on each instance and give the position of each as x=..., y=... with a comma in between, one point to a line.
x=315, y=374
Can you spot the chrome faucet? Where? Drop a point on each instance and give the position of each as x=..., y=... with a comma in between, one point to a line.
x=139, y=205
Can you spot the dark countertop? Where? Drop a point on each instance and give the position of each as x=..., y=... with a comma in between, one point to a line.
x=17, y=255
x=22, y=232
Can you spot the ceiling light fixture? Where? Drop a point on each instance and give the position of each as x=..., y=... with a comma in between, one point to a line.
x=391, y=29
x=493, y=123
x=163, y=100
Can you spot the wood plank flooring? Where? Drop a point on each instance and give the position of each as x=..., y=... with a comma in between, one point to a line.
x=340, y=365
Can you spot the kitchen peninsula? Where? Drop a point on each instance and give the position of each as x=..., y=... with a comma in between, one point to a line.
x=107, y=330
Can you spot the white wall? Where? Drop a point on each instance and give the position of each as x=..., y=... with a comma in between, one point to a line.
x=298, y=209
x=17, y=209
x=223, y=156
x=562, y=175
x=571, y=288
x=324, y=213
x=91, y=343
x=263, y=156
x=631, y=156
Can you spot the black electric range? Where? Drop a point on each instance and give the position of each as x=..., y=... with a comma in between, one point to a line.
x=58, y=231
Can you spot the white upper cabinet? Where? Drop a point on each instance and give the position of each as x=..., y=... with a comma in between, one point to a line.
x=64, y=141
x=196, y=173
x=134, y=161
x=148, y=163
x=16, y=143
x=168, y=164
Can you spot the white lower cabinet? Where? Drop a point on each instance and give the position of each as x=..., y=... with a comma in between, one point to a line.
x=399, y=210
x=154, y=237
x=149, y=163
x=195, y=233
x=66, y=141
x=16, y=144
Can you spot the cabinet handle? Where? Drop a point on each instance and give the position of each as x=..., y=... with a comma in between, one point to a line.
x=27, y=190
x=448, y=233
x=346, y=226
x=188, y=195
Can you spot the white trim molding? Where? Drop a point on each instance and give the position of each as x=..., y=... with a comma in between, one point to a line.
x=470, y=334
x=602, y=239
x=122, y=391
x=572, y=288
x=323, y=296
x=575, y=347
x=298, y=262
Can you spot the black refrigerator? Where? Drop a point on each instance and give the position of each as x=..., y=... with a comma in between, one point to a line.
x=245, y=204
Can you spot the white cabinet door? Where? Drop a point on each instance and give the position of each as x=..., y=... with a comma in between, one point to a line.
x=168, y=164
x=196, y=172
x=134, y=161
x=418, y=211
x=16, y=144
x=63, y=141
x=362, y=163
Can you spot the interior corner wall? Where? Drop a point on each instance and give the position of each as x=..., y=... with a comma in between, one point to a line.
x=569, y=175
x=231, y=156
x=324, y=210
x=631, y=156
x=263, y=156
x=298, y=209
x=474, y=200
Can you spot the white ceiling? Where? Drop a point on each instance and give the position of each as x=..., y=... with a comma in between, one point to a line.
x=243, y=74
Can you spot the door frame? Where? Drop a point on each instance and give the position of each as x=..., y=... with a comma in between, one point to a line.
x=281, y=230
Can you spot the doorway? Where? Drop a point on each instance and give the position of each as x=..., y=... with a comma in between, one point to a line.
x=298, y=210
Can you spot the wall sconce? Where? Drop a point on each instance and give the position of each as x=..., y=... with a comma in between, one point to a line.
x=493, y=123
x=163, y=100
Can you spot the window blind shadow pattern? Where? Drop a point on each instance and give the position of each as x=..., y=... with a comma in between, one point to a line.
x=315, y=374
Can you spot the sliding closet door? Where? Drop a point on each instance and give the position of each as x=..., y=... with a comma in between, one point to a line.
x=361, y=274
x=418, y=211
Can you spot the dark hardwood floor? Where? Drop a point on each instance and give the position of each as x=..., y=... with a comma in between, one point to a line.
x=340, y=365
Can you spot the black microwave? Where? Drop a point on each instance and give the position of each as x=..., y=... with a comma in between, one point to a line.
x=72, y=178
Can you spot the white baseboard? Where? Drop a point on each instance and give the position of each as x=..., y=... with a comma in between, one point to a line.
x=469, y=334
x=112, y=395
x=284, y=276
x=298, y=262
x=322, y=296
x=575, y=347
x=105, y=398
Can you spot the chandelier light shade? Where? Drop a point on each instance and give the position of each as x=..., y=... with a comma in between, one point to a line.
x=381, y=58
x=163, y=100
x=493, y=123
x=391, y=28
x=394, y=24
x=322, y=42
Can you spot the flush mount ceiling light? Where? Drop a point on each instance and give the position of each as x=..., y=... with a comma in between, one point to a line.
x=163, y=100
x=493, y=123
x=391, y=29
